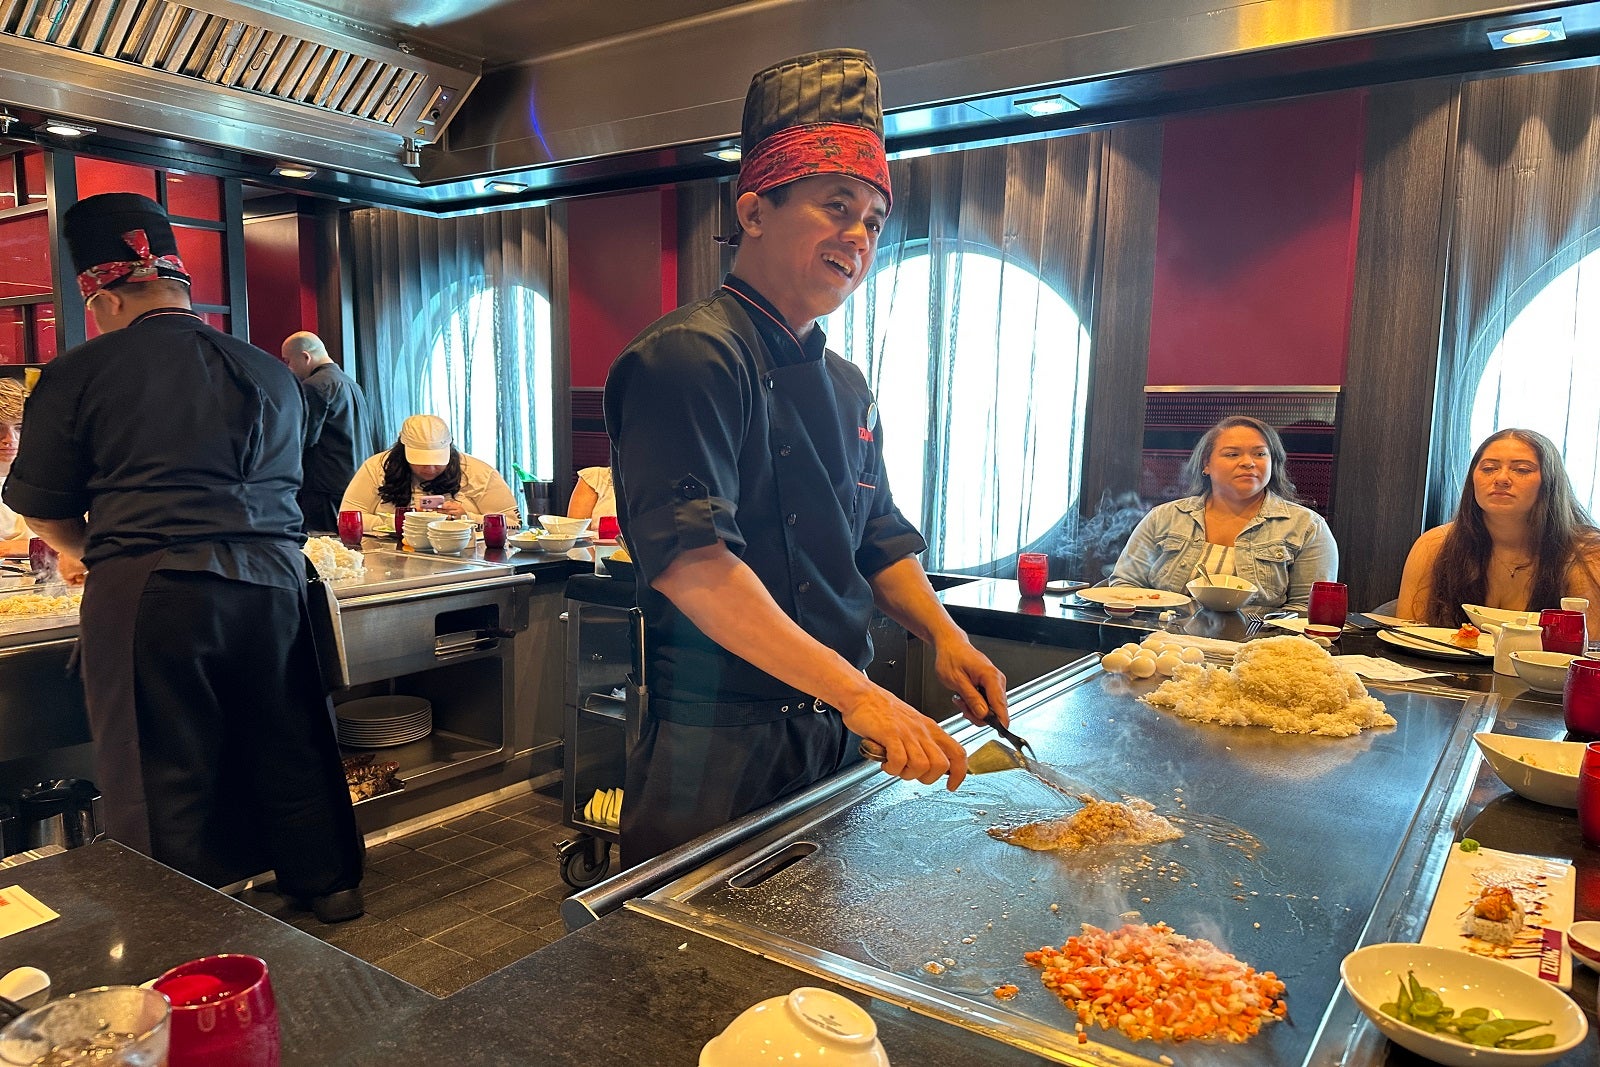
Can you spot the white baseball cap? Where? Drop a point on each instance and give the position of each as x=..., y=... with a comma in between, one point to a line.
x=426, y=439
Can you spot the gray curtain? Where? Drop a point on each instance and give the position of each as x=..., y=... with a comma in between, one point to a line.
x=453, y=318
x=1527, y=212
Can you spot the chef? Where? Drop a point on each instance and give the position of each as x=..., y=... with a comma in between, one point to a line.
x=748, y=465
x=213, y=741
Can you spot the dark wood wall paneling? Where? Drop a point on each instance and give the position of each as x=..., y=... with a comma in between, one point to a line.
x=1121, y=312
x=1386, y=423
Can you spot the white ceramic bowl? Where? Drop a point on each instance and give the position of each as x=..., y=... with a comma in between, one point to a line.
x=526, y=540
x=1552, y=777
x=1222, y=592
x=1491, y=619
x=1544, y=671
x=1463, y=980
x=1120, y=609
x=807, y=1026
x=562, y=526
x=1584, y=941
x=557, y=544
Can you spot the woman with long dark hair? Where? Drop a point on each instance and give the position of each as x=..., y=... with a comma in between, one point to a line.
x=1242, y=519
x=1520, y=540
x=423, y=463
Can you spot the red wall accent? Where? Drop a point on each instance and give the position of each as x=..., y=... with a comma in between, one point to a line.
x=1255, y=244
x=281, y=279
x=616, y=264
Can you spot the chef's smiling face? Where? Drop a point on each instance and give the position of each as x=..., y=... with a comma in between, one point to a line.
x=10, y=434
x=1240, y=465
x=1506, y=479
x=815, y=247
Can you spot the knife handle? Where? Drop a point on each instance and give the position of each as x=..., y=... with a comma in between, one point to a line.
x=871, y=750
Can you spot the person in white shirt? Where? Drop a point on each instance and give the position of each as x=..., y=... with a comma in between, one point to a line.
x=424, y=462
x=593, y=496
x=14, y=533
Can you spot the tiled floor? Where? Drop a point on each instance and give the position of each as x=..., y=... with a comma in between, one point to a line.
x=451, y=903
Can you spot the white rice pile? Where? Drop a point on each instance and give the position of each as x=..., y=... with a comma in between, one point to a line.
x=332, y=560
x=1287, y=684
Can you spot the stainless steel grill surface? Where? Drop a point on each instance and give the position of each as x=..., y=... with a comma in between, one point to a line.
x=1286, y=857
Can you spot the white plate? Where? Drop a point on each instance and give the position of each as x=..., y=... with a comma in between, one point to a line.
x=1551, y=779
x=1438, y=633
x=1545, y=888
x=1294, y=624
x=1143, y=599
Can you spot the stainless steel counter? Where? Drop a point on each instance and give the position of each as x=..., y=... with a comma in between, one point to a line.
x=1296, y=850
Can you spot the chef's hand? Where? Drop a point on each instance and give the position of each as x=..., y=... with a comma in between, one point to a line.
x=71, y=569
x=980, y=688
x=453, y=508
x=917, y=749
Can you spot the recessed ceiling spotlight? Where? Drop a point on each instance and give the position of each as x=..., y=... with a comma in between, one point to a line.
x=1528, y=33
x=727, y=155
x=1041, y=106
x=293, y=170
x=500, y=185
x=63, y=128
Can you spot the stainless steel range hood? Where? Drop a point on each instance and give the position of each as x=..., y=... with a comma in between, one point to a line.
x=577, y=97
x=282, y=81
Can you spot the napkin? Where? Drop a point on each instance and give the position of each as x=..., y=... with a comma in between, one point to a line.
x=1386, y=670
x=20, y=910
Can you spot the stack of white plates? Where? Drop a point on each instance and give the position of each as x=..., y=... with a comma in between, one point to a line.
x=377, y=722
x=415, y=533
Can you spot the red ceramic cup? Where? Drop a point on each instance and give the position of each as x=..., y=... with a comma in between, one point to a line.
x=1589, y=796
x=223, y=1013
x=1580, y=700
x=1033, y=568
x=608, y=528
x=1563, y=631
x=41, y=557
x=400, y=522
x=494, y=530
x=1330, y=602
x=350, y=529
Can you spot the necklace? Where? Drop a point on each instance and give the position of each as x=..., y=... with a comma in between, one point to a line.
x=1515, y=569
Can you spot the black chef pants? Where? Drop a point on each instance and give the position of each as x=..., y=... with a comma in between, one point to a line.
x=241, y=768
x=683, y=781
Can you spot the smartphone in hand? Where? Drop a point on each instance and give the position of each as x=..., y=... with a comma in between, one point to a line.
x=430, y=503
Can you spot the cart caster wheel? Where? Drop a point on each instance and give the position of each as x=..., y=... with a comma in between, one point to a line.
x=586, y=864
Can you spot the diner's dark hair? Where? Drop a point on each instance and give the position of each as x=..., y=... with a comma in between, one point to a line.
x=396, y=487
x=1279, y=483
x=1561, y=530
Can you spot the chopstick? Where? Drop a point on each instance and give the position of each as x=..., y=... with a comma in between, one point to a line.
x=1452, y=646
x=10, y=1009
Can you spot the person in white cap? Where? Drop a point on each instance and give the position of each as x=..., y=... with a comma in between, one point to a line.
x=424, y=462
x=748, y=466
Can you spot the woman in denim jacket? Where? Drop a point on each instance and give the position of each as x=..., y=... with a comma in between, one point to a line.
x=1242, y=520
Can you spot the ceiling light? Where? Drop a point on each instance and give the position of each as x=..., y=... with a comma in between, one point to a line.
x=499, y=185
x=1528, y=33
x=62, y=128
x=727, y=155
x=293, y=170
x=6, y=120
x=1041, y=106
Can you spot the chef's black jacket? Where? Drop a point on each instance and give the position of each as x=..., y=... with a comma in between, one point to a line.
x=338, y=438
x=725, y=428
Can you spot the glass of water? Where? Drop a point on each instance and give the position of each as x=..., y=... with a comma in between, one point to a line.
x=109, y=1026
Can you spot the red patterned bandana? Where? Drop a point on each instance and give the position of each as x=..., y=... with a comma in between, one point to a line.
x=818, y=148
x=146, y=268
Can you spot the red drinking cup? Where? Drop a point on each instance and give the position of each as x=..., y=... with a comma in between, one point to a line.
x=1330, y=602
x=223, y=1013
x=400, y=522
x=608, y=528
x=1033, y=568
x=1563, y=631
x=350, y=529
x=41, y=557
x=1580, y=700
x=494, y=530
x=1589, y=796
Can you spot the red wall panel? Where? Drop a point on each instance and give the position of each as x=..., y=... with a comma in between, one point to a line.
x=1255, y=244
x=616, y=263
x=280, y=277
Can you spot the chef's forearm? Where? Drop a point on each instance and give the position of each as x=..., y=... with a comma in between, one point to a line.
x=69, y=536
x=902, y=592
x=725, y=599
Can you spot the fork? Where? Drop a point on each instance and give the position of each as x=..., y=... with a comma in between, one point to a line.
x=1253, y=622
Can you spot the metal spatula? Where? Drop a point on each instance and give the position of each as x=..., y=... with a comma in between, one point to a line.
x=994, y=756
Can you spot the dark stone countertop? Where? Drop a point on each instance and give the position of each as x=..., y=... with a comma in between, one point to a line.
x=625, y=990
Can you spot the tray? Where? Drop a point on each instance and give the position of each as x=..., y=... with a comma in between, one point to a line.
x=1547, y=891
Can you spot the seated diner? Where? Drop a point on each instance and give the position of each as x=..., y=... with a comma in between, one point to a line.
x=425, y=463
x=1242, y=518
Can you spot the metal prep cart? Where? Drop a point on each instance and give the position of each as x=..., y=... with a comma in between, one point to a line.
x=603, y=710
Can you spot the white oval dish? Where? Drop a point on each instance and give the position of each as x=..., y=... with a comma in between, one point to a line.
x=1552, y=777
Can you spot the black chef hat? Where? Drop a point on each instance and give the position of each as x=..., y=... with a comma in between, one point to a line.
x=819, y=113
x=116, y=238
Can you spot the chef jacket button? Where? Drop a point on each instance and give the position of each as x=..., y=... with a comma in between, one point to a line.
x=784, y=450
x=803, y=587
x=791, y=518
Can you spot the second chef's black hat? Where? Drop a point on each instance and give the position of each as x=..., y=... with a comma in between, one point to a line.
x=120, y=238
